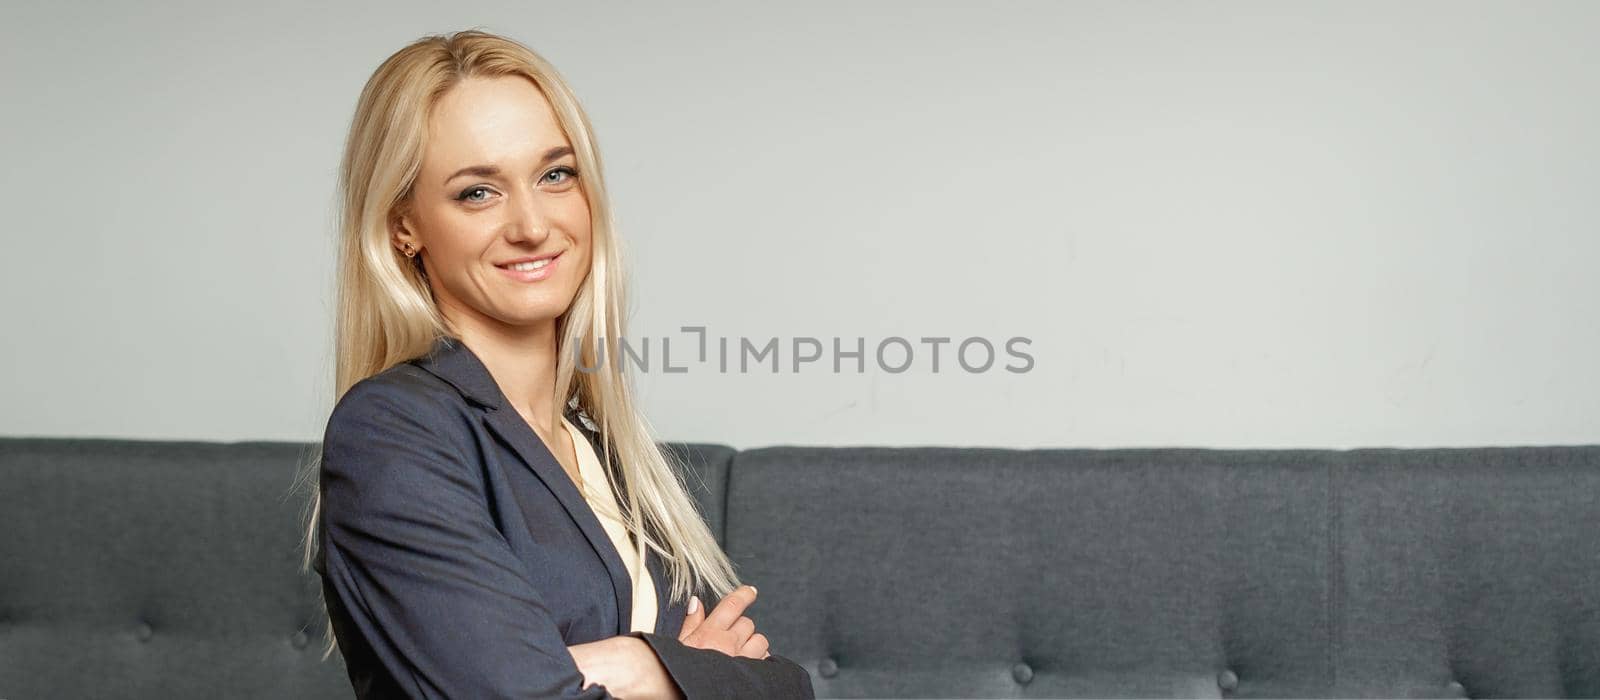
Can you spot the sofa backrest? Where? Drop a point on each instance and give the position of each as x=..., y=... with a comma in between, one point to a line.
x=941, y=572
x=171, y=570
x=156, y=569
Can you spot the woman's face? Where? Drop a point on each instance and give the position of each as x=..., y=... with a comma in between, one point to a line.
x=498, y=185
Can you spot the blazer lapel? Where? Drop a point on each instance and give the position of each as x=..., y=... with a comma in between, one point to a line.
x=452, y=361
x=669, y=619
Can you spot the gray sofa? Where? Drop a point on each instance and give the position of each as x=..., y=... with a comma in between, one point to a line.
x=142, y=569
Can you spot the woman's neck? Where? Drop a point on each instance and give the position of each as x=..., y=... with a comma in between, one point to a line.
x=522, y=360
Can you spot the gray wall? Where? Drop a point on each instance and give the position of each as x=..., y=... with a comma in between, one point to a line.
x=1247, y=224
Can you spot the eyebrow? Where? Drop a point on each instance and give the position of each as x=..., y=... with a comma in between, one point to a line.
x=490, y=170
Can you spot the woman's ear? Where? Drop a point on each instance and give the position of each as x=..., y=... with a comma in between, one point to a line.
x=400, y=231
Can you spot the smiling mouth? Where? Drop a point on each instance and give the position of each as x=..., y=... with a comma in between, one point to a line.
x=528, y=266
x=531, y=270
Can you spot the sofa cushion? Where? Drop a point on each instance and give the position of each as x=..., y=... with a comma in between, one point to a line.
x=966, y=572
x=156, y=569
x=1472, y=570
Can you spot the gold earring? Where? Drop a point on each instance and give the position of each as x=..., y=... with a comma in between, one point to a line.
x=409, y=252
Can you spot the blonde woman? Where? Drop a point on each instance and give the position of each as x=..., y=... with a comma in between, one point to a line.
x=492, y=516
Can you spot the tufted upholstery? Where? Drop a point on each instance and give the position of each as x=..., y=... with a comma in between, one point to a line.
x=1177, y=572
x=170, y=569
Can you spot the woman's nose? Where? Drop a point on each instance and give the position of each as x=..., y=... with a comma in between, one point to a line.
x=528, y=222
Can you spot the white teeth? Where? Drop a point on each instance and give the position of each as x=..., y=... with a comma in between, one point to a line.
x=527, y=266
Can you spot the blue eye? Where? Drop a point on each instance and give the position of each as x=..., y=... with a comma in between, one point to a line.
x=467, y=195
x=571, y=173
x=463, y=197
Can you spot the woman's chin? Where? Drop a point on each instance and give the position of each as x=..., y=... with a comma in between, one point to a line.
x=531, y=317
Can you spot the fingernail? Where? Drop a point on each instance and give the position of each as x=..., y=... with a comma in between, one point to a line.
x=753, y=589
x=694, y=604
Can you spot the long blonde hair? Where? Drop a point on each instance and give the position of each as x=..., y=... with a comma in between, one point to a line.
x=386, y=313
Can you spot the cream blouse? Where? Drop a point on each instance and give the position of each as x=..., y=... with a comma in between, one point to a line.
x=597, y=492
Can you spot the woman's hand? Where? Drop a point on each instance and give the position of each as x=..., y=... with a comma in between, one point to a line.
x=627, y=667
x=726, y=629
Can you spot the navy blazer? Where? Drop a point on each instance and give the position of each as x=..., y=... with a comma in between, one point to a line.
x=459, y=560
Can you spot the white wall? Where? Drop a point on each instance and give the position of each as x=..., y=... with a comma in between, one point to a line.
x=1250, y=224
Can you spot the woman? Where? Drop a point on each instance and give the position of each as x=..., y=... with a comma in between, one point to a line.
x=472, y=539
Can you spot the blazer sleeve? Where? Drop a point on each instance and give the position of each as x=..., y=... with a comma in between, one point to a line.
x=413, y=555
x=708, y=674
